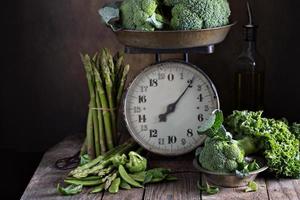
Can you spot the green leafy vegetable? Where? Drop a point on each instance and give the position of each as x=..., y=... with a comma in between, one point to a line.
x=251, y=187
x=69, y=190
x=280, y=147
x=208, y=189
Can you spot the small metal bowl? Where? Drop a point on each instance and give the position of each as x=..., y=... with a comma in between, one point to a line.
x=230, y=179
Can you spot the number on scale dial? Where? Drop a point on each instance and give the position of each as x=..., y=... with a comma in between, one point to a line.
x=166, y=104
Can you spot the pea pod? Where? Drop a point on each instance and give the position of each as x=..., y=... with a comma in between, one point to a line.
x=139, y=177
x=82, y=182
x=114, y=187
x=124, y=185
x=98, y=188
x=127, y=178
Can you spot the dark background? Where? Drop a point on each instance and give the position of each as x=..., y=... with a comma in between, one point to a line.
x=44, y=95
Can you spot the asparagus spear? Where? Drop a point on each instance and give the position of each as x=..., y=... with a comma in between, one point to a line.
x=122, y=83
x=89, y=135
x=87, y=169
x=99, y=159
x=83, y=149
x=110, y=94
x=99, y=115
x=89, y=72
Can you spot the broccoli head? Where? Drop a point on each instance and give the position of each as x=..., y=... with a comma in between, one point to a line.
x=184, y=19
x=140, y=14
x=224, y=155
x=211, y=13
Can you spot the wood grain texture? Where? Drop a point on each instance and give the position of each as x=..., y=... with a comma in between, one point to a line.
x=283, y=189
x=182, y=189
x=133, y=194
x=43, y=184
x=239, y=194
x=44, y=181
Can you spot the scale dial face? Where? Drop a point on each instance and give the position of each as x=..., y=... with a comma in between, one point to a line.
x=166, y=104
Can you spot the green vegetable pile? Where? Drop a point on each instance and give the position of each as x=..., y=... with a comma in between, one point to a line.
x=118, y=168
x=150, y=15
x=222, y=153
x=106, y=76
x=280, y=147
x=250, y=133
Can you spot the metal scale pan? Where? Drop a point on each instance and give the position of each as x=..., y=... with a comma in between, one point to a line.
x=172, y=39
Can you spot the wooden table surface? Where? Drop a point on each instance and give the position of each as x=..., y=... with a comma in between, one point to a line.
x=43, y=183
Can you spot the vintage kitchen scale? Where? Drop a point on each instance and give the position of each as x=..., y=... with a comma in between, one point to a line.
x=168, y=101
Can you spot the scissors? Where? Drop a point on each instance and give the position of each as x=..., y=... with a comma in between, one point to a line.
x=68, y=163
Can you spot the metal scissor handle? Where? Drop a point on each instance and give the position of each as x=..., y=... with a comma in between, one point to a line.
x=68, y=163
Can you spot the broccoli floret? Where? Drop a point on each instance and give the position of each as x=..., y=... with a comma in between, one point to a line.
x=211, y=13
x=137, y=163
x=225, y=156
x=138, y=15
x=184, y=19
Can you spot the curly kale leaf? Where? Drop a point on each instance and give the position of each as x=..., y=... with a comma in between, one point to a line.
x=281, y=148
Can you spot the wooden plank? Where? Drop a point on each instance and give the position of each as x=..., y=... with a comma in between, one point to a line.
x=283, y=189
x=239, y=194
x=182, y=189
x=44, y=181
x=132, y=194
x=177, y=164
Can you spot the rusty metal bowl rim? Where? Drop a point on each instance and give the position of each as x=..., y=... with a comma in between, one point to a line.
x=176, y=31
x=201, y=169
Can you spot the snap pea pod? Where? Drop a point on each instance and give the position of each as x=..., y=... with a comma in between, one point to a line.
x=139, y=177
x=97, y=189
x=114, y=187
x=124, y=185
x=82, y=182
x=127, y=178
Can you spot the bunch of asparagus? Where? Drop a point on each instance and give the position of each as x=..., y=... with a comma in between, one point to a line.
x=106, y=76
x=119, y=168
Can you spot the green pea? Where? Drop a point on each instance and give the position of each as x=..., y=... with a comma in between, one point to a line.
x=127, y=178
x=114, y=187
x=98, y=188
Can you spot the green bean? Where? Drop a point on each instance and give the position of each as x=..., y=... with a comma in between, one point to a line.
x=82, y=182
x=98, y=188
x=124, y=185
x=127, y=178
x=114, y=187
